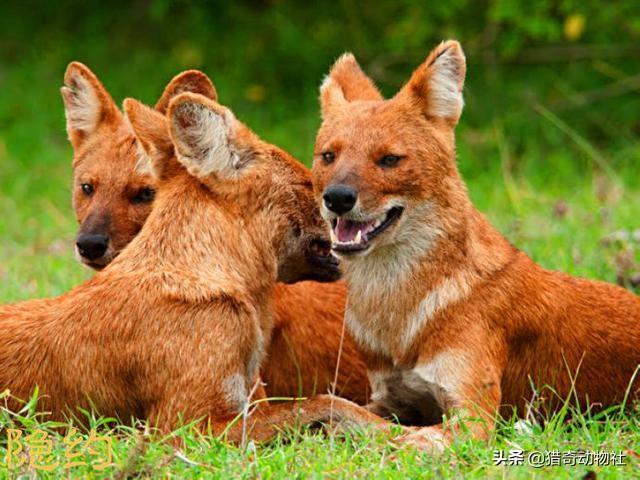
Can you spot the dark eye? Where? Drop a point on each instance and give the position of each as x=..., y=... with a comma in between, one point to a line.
x=144, y=195
x=389, y=161
x=328, y=157
x=87, y=189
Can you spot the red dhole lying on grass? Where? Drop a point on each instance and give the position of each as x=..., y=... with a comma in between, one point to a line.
x=112, y=198
x=450, y=316
x=176, y=327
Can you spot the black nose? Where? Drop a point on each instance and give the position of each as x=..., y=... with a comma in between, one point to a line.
x=92, y=246
x=340, y=198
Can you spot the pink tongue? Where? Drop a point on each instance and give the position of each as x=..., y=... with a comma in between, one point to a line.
x=346, y=230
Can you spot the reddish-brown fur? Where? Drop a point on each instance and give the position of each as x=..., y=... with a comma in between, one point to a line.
x=301, y=358
x=175, y=327
x=450, y=316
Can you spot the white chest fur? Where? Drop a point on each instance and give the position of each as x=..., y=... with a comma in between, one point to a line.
x=382, y=326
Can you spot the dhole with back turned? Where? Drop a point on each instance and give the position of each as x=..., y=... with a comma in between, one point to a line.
x=175, y=328
x=450, y=316
x=112, y=197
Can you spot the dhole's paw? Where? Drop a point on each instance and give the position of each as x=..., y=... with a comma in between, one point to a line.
x=427, y=439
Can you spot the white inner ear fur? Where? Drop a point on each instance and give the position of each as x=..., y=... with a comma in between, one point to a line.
x=82, y=106
x=144, y=165
x=203, y=146
x=145, y=154
x=331, y=93
x=445, y=98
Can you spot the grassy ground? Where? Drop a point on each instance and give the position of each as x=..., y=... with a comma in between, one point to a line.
x=555, y=170
x=560, y=208
x=132, y=452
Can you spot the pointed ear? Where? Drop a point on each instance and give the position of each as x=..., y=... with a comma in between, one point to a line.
x=345, y=83
x=204, y=134
x=436, y=85
x=87, y=104
x=152, y=133
x=192, y=81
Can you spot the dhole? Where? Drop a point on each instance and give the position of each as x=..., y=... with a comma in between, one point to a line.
x=176, y=326
x=450, y=316
x=112, y=198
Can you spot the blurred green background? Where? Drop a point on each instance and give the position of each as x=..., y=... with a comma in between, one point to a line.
x=548, y=141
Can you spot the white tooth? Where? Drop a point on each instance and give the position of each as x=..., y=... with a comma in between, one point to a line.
x=377, y=223
x=334, y=238
x=358, y=237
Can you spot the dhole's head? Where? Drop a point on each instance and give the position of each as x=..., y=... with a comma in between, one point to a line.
x=384, y=167
x=259, y=193
x=111, y=196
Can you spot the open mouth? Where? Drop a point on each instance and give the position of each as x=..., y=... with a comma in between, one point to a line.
x=350, y=236
x=328, y=266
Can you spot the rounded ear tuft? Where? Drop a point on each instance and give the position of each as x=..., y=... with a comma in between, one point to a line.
x=87, y=103
x=345, y=83
x=436, y=85
x=331, y=96
x=150, y=128
x=202, y=132
x=355, y=84
x=193, y=81
x=449, y=57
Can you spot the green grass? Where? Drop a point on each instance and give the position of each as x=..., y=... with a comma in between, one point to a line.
x=133, y=452
x=557, y=172
x=558, y=207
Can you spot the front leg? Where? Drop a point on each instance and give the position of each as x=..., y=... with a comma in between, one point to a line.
x=467, y=388
x=263, y=420
x=266, y=421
